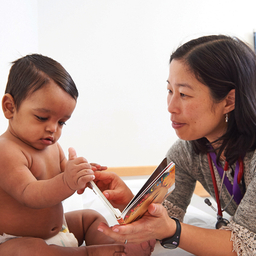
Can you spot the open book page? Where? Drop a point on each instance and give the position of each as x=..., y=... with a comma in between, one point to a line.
x=158, y=186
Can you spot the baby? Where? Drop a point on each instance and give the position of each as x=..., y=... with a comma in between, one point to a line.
x=35, y=176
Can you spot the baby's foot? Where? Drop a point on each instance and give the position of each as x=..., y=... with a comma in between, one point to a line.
x=106, y=250
x=143, y=249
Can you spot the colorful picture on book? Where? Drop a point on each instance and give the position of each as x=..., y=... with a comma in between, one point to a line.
x=157, y=193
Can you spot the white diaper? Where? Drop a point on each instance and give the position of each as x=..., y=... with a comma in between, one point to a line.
x=6, y=237
x=64, y=238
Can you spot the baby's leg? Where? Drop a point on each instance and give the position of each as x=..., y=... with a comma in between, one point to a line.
x=143, y=249
x=37, y=247
x=84, y=223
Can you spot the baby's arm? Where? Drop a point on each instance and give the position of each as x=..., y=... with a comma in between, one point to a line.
x=18, y=181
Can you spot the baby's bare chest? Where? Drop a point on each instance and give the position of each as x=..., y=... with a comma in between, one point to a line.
x=45, y=165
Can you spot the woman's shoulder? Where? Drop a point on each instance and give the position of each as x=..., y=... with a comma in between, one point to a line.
x=250, y=163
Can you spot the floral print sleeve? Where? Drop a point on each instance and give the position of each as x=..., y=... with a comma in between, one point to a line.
x=244, y=241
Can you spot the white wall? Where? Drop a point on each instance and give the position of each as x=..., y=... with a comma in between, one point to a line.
x=18, y=37
x=117, y=52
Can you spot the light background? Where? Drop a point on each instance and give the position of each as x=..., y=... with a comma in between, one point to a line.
x=117, y=52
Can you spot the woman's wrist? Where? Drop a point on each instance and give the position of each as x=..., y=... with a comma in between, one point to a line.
x=171, y=228
x=173, y=241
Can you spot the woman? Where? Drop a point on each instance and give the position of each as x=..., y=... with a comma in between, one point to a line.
x=211, y=99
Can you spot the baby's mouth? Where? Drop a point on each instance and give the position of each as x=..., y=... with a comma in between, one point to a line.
x=48, y=140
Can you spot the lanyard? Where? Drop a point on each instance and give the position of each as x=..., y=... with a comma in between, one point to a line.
x=233, y=190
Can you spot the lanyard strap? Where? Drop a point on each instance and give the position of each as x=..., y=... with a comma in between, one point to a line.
x=235, y=189
x=214, y=185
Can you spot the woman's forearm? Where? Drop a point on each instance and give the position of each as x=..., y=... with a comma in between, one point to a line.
x=156, y=224
x=201, y=241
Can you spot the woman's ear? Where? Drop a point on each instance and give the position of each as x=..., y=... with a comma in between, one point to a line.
x=8, y=106
x=230, y=101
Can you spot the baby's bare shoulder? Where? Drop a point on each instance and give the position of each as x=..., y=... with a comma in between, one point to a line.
x=12, y=152
x=7, y=145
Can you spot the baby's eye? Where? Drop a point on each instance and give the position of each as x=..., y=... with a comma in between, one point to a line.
x=62, y=123
x=41, y=118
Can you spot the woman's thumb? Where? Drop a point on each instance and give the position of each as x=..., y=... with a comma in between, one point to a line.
x=107, y=194
x=110, y=194
x=155, y=209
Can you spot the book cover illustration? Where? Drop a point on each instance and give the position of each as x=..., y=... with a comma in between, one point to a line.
x=159, y=185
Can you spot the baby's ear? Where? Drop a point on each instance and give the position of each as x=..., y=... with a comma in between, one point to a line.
x=8, y=105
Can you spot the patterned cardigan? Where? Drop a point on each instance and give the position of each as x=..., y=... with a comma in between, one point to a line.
x=191, y=167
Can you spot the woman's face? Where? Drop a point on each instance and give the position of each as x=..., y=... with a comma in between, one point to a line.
x=194, y=114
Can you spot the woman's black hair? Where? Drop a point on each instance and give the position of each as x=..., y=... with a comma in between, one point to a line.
x=30, y=73
x=223, y=63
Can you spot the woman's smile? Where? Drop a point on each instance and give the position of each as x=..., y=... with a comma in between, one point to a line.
x=176, y=125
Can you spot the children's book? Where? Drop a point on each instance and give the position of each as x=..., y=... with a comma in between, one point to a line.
x=158, y=186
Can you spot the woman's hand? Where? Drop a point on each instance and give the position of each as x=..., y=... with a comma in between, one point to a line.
x=114, y=189
x=98, y=167
x=155, y=224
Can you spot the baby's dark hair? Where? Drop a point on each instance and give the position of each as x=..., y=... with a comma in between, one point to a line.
x=30, y=73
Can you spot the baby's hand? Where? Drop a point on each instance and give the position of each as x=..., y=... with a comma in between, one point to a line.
x=94, y=167
x=77, y=172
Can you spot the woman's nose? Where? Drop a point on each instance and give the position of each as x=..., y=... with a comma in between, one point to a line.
x=172, y=104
